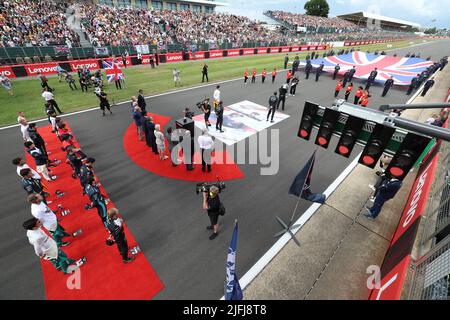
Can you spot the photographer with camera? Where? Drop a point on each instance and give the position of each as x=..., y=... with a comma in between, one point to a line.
x=206, y=108
x=211, y=203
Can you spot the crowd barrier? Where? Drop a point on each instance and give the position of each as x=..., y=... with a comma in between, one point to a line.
x=49, y=68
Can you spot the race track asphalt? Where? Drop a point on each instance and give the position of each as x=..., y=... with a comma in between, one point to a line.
x=166, y=216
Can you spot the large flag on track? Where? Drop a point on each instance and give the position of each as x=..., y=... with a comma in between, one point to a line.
x=402, y=69
x=301, y=186
x=233, y=289
x=113, y=71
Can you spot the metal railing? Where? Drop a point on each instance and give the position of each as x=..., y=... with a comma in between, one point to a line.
x=432, y=274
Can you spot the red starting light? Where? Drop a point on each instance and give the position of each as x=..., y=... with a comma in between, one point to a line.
x=303, y=133
x=368, y=160
x=322, y=141
x=343, y=150
x=396, y=171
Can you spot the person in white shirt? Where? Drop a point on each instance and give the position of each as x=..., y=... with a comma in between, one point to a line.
x=50, y=98
x=45, y=247
x=206, y=144
x=160, y=143
x=41, y=211
x=176, y=77
x=23, y=126
x=216, y=97
x=21, y=164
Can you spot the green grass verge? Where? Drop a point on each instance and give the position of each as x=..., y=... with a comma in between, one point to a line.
x=27, y=92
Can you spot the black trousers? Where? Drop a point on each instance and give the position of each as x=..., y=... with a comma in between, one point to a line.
x=46, y=86
x=336, y=93
x=334, y=76
x=410, y=89
x=282, y=99
x=263, y=79
x=84, y=88
x=385, y=91
x=317, y=76
x=347, y=94
x=41, y=146
x=271, y=110
x=368, y=84
x=118, y=84
x=122, y=245
x=73, y=86
x=219, y=123
x=203, y=77
x=206, y=159
x=356, y=100
x=55, y=105
x=273, y=79
x=245, y=79
x=307, y=75
x=253, y=79
x=292, y=91
x=424, y=92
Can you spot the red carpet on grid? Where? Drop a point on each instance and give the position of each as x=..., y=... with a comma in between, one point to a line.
x=104, y=276
x=141, y=154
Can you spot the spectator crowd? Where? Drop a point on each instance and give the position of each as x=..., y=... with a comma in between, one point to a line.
x=44, y=23
x=34, y=23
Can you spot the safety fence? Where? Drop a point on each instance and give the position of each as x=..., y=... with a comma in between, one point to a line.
x=48, y=68
x=29, y=55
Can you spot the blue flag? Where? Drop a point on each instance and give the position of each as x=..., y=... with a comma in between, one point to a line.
x=233, y=289
x=301, y=185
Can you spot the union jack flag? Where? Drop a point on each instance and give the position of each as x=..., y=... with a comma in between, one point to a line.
x=402, y=69
x=113, y=71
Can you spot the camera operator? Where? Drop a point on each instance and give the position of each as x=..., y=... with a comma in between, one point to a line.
x=211, y=203
x=206, y=108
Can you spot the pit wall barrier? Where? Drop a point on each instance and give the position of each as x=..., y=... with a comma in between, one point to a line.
x=398, y=257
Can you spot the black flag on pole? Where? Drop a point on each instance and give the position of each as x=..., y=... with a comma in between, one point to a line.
x=301, y=186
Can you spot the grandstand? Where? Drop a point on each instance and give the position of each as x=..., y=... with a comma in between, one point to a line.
x=199, y=6
x=33, y=31
x=366, y=19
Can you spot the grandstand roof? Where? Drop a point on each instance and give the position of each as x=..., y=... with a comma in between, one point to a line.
x=210, y=2
x=387, y=21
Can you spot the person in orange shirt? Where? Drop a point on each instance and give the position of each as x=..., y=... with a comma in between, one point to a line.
x=358, y=95
x=338, y=88
x=274, y=75
x=264, y=75
x=245, y=76
x=288, y=76
x=254, y=76
x=364, y=101
x=348, y=91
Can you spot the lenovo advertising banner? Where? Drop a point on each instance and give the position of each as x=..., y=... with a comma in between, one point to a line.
x=7, y=72
x=174, y=57
x=92, y=64
x=390, y=286
x=43, y=68
x=233, y=52
x=249, y=51
x=215, y=54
